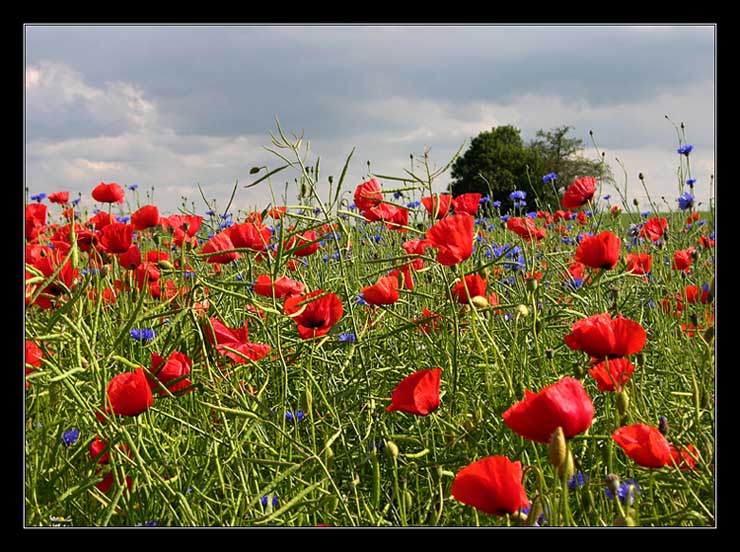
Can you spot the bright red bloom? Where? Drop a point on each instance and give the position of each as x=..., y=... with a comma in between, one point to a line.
x=599, y=251
x=639, y=263
x=297, y=241
x=492, y=485
x=615, y=211
x=146, y=217
x=146, y=273
x=437, y=205
x=684, y=458
x=475, y=285
x=277, y=212
x=101, y=220
x=453, y=239
x=237, y=339
x=116, y=237
x=582, y=218
x=601, y=336
x=316, y=317
x=131, y=258
x=367, y=195
x=155, y=256
x=252, y=235
x=416, y=247
x=283, y=286
x=579, y=193
x=220, y=242
x=682, y=259
x=525, y=228
x=417, y=393
x=706, y=242
x=184, y=227
x=654, y=229
x=467, y=203
x=108, y=193
x=403, y=275
x=383, y=292
x=563, y=404
x=35, y=220
x=430, y=321
x=615, y=376
x=61, y=198
x=33, y=357
x=176, y=367
x=691, y=293
x=129, y=393
x=562, y=215
x=47, y=260
x=394, y=217
x=577, y=270
x=644, y=444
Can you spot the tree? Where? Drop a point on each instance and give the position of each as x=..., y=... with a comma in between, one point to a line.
x=498, y=162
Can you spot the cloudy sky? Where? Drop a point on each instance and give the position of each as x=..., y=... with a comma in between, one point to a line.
x=171, y=107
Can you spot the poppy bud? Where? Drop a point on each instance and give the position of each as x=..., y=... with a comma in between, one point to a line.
x=612, y=481
x=628, y=520
x=167, y=265
x=532, y=284
x=558, y=449
x=623, y=402
x=408, y=498
x=635, y=202
x=709, y=334
x=391, y=449
x=254, y=170
x=567, y=468
x=535, y=511
x=640, y=176
x=549, y=353
x=663, y=426
x=579, y=371
x=522, y=310
x=479, y=302
x=329, y=455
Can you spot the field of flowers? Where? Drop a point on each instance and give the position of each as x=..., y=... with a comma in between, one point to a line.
x=376, y=356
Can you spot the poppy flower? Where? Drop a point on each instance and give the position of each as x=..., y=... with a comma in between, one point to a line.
x=563, y=404
x=644, y=444
x=393, y=216
x=367, y=195
x=101, y=220
x=108, y=193
x=654, y=229
x=282, y=287
x=145, y=273
x=684, y=458
x=417, y=393
x=601, y=336
x=62, y=198
x=48, y=262
x=403, y=275
x=492, y=485
x=35, y=220
x=105, y=485
x=145, y=217
x=599, y=251
x=691, y=293
x=453, y=239
x=277, y=212
x=220, y=242
x=579, y=193
x=706, y=242
x=155, y=256
x=577, y=271
x=250, y=235
x=237, y=339
x=129, y=393
x=33, y=357
x=297, y=241
x=176, y=367
x=116, y=238
x=317, y=316
x=612, y=374
x=638, y=263
x=183, y=227
x=476, y=286
x=525, y=228
x=416, y=247
x=562, y=215
x=383, y=292
x=429, y=322
x=582, y=218
x=131, y=258
x=437, y=205
x=682, y=259
x=467, y=203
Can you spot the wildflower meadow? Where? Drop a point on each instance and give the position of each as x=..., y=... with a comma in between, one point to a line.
x=375, y=354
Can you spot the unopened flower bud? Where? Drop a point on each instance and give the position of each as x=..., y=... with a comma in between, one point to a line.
x=558, y=449
x=612, y=482
x=522, y=310
x=635, y=202
x=568, y=467
x=532, y=284
x=535, y=511
x=663, y=426
x=479, y=302
x=623, y=402
x=167, y=265
x=391, y=449
x=628, y=520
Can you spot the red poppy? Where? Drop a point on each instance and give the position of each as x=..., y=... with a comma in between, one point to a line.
x=297, y=241
x=237, y=339
x=403, y=275
x=430, y=321
x=577, y=270
x=47, y=261
x=277, y=212
x=131, y=258
x=615, y=211
x=453, y=239
x=682, y=259
x=416, y=247
x=563, y=404
x=35, y=220
x=579, y=193
x=108, y=193
x=250, y=235
x=437, y=205
x=612, y=374
x=562, y=215
x=174, y=369
x=367, y=195
x=282, y=287
x=706, y=242
x=116, y=238
x=101, y=220
x=145, y=217
x=599, y=251
x=316, y=317
x=146, y=273
x=644, y=444
x=383, y=292
x=394, y=216
x=105, y=485
x=417, y=393
x=129, y=393
x=155, y=256
x=467, y=203
x=476, y=286
x=601, y=336
x=691, y=293
x=582, y=218
x=62, y=198
x=220, y=242
x=654, y=229
x=184, y=227
x=525, y=228
x=639, y=263
x=684, y=458
x=33, y=357
x=492, y=485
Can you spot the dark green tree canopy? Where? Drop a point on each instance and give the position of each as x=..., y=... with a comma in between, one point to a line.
x=499, y=162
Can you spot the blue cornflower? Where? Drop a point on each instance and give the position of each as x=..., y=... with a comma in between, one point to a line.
x=607, y=197
x=239, y=277
x=210, y=213
x=578, y=479
x=360, y=300
x=377, y=238
x=479, y=238
x=152, y=523
x=143, y=334
x=568, y=240
x=133, y=187
x=517, y=194
x=504, y=218
x=122, y=219
x=622, y=491
x=484, y=199
x=347, y=337
x=540, y=520
x=352, y=206
x=335, y=256
x=188, y=274
x=397, y=195
x=264, y=499
x=70, y=436
x=316, y=210
x=645, y=214
x=298, y=415
x=496, y=204
x=589, y=213
x=686, y=149
x=377, y=445
x=575, y=283
x=51, y=245
x=76, y=201
x=490, y=227
x=532, y=215
x=413, y=204
x=549, y=177
x=488, y=253
x=690, y=182
x=38, y=197
x=325, y=258
x=96, y=211
x=521, y=203
x=685, y=201
x=651, y=304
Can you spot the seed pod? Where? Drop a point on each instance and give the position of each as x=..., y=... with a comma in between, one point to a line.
x=558, y=448
x=522, y=310
x=391, y=449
